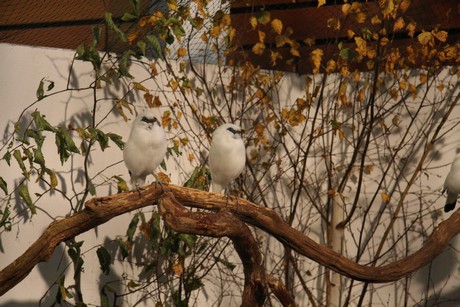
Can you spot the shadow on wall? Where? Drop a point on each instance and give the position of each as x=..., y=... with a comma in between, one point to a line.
x=49, y=270
x=442, y=271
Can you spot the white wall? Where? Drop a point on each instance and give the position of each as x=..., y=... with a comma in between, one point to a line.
x=22, y=69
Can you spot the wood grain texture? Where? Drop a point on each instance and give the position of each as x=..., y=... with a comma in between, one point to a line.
x=102, y=209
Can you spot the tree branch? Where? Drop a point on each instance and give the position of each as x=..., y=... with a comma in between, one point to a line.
x=101, y=210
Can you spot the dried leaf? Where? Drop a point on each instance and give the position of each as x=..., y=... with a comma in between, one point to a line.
x=277, y=26
x=424, y=37
x=258, y=48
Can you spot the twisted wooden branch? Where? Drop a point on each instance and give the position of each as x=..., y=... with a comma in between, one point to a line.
x=102, y=209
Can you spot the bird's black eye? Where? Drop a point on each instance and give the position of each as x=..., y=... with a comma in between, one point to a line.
x=233, y=130
x=148, y=120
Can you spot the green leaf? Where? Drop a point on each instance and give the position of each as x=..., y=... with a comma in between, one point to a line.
x=189, y=240
x=226, y=263
x=5, y=221
x=7, y=157
x=92, y=189
x=142, y=46
x=100, y=137
x=112, y=26
x=90, y=53
x=3, y=186
x=104, y=259
x=153, y=41
x=75, y=255
x=128, y=17
x=132, y=227
x=123, y=64
x=36, y=136
x=18, y=157
x=193, y=283
x=24, y=194
x=117, y=139
x=124, y=250
x=347, y=54
x=38, y=157
x=65, y=144
x=179, y=31
x=50, y=86
x=40, y=90
x=121, y=184
x=41, y=123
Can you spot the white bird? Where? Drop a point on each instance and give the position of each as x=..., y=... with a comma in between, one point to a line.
x=452, y=185
x=227, y=156
x=145, y=148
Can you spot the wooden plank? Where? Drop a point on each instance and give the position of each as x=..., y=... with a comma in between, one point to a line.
x=312, y=22
x=304, y=65
x=24, y=12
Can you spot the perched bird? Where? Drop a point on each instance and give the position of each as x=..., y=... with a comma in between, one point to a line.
x=145, y=148
x=452, y=185
x=227, y=156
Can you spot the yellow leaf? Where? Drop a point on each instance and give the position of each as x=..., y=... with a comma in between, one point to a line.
x=277, y=26
x=163, y=177
x=423, y=78
x=204, y=37
x=331, y=66
x=440, y=87
x=411, y=29
x=166, y=119
x=316, y=58
x=394, y=94
x=361, y=45
x=321, y=2
x=156, y=102
x=403, y=85
x=441, y=36
x=258, y=48
x=424, y=37
x=385, y=197
x=350, y=33
x=399, y=24
x=261, y=36
x=172, y=7
x=295, y=52
x=361, y=17
x=346, y=9
x=139, y=86
x=215, y=32
x=344, y=71
x=226, y=20
x=274, y=56
x=361, y=95
x=404, y=5
x=181, y=52
x=253, y=22
x=191, y=157
x=281, y=40
x=375, y=20
x=153, y=69
x=132, y=37
x=173, y=84
x=259, y=128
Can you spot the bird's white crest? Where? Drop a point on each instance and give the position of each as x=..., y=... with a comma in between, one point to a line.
x=145, y=148
x=227, y=156
x=452, y=184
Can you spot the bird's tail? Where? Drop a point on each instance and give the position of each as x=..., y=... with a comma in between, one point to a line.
x=450, y=202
